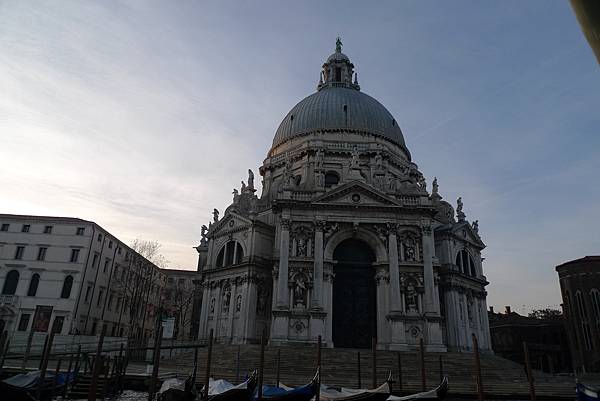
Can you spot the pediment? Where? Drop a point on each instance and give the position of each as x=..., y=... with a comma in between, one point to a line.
x=356, y=193
x=464, y=230
x=230, y=222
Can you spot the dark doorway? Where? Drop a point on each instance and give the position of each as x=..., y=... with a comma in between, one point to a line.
x=354, y=313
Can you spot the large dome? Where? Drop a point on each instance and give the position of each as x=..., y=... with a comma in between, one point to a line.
x=339, y=105
x=334, y=108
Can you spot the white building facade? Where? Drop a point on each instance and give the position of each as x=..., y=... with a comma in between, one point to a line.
x=73, y=276
x=345, y=240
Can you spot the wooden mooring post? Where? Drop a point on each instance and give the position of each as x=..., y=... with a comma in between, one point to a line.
x=156, y=360
x=237, y=364
x=374, y=352
x=27, y=351
x=529, y=372
x=277, y=379
x=318, y=395
x=43, y=352
x=208, y=361
x=44, y=364
x=66, y=387
x=399, y=373
x=358, y=369
x=56, y=372
x=441, y=369
x=479, y=382
x=3, y=352
x=423, y=372
x=96, y=367
x=261, y=365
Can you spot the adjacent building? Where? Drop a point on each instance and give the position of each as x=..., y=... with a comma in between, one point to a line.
x=74, y=276
x=181, y=303
x=546, y=339
x=580, y=288
x=345, y=241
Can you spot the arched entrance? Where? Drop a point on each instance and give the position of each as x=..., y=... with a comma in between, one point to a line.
x=354, y=310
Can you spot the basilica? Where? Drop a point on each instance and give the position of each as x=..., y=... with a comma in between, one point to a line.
x=345, y=241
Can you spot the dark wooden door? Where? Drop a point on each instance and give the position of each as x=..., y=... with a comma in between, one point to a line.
x=354, y=309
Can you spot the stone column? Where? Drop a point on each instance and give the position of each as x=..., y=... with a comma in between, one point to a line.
x=283, y=293
x=395, y=303
x=317, y=291
x=429, y=284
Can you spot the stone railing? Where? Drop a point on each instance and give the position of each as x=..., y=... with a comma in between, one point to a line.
x=302, y=195
x=408, y=200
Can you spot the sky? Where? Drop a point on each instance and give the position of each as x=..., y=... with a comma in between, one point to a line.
x=144, y=115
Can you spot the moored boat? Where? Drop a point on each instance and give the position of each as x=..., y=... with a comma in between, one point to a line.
x=587, y=392
x=241, y=392
x=438, y=393
x=380, y=393
x=302, y=393
x=26, y=386
x=178, y=390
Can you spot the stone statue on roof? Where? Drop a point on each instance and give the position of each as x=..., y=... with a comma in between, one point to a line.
x=250, y=179
x=338, y=45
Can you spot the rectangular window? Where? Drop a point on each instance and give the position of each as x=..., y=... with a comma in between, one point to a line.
x=42, y=253
x=25, y=228
x=99, y=237
x=99, y=300
x=24, y=322
x=119, y=250
x=88, y=291
x=4, y=227
x=74, y=255
x=118, y=306
x=109, y=244
x=106, y=262
x=95, y=260
x=48, y=230
x=80, y=231
x=57, y=326
x=19, y=252
x=110, y=301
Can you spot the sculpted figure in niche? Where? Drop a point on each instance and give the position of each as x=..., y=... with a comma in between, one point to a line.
x=319, y=179
x=391, y=183
x=378, y=161
x=355, y=158
x=238, y=303
x=226, y=299
x=411, y=298
x=470, y=309
x=301, y=248
x=300, y=291
x=212, y=306
x=319, y=159
x=330, y=230
x=409, y=250
x=261, y=303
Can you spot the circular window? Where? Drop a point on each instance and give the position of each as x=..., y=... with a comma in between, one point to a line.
x=231, y=223
x=355, y=198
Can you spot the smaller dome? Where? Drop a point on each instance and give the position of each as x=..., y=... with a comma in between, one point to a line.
x=337, y=57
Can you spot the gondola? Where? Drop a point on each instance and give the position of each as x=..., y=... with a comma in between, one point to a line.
x=438, y=393
x=302, y=393
x=26, y=387
x=587, y=393
x=241, y=392
x=380, y=393
x=178, y=390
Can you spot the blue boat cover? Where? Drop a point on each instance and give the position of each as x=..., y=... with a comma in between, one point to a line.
x=274, y=391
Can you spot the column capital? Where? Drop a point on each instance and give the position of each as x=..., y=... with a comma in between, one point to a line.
x=320, y=225
x=286, y=224
x=426, y=230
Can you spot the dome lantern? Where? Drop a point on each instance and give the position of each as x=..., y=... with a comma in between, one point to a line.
x=338, y=70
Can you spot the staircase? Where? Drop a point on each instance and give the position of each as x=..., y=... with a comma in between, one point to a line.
x=501, y=378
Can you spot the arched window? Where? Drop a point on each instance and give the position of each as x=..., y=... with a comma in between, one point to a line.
x=67, y=285
x=33, y=285
x=465, y=263
x=239, y=253
x=10, y=283
x=231, y=253
x=331, y=178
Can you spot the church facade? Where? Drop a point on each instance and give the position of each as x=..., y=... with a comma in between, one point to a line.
x=345, y=240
